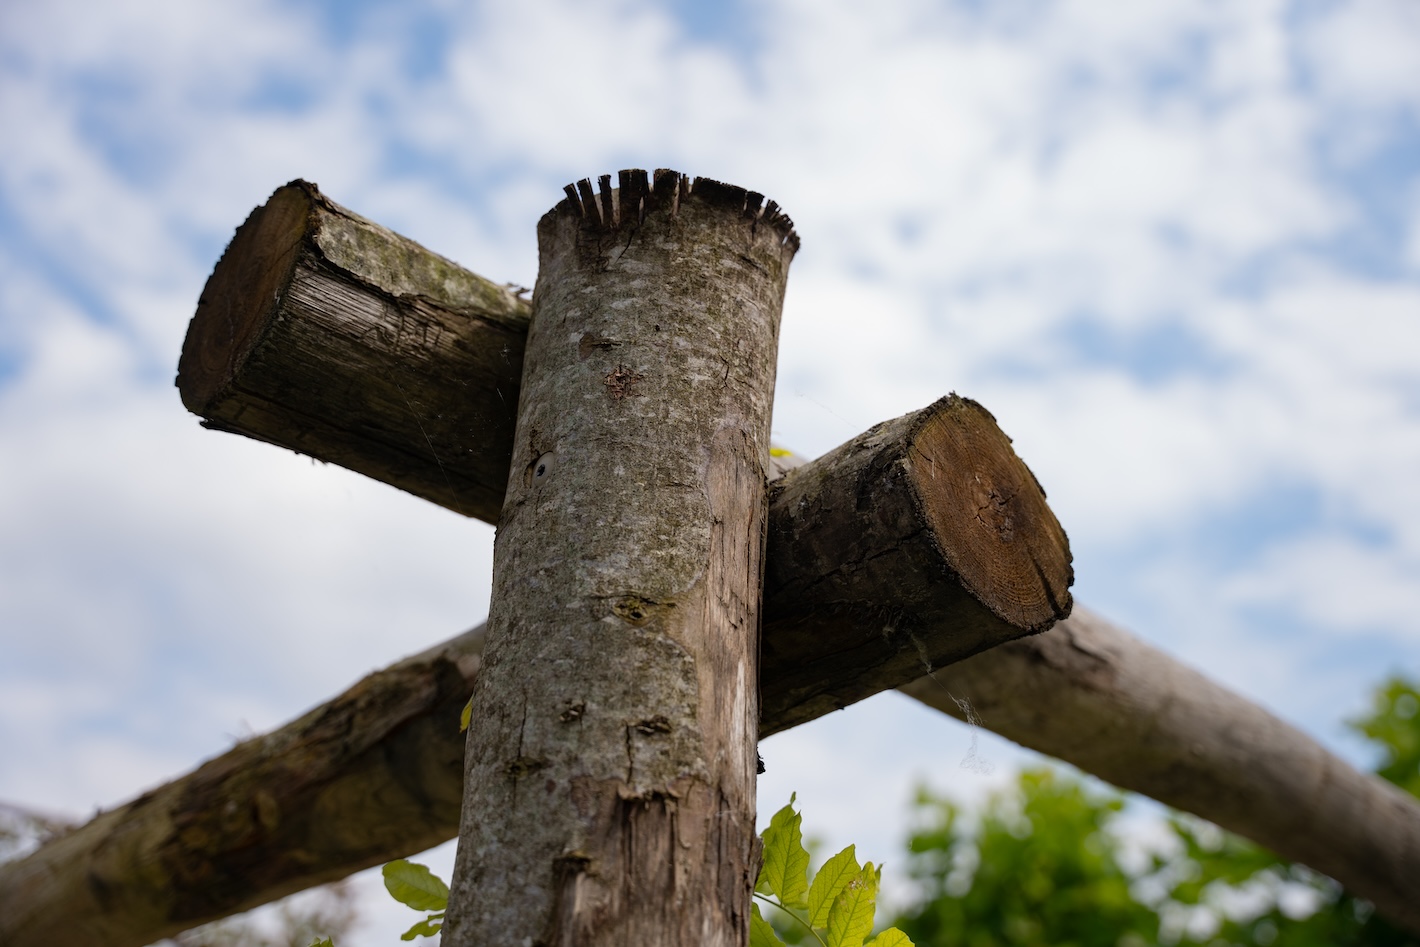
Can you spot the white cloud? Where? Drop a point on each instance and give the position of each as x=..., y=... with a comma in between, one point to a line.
x=1366, y=54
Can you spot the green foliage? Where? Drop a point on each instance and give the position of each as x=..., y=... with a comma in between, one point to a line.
x=836, y=910
x=784, y=872
x=1040, y=870
x=416, y=886
x=1394, y=725
x=1042, y=866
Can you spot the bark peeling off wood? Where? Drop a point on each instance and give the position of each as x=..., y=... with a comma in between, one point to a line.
x=627, y=571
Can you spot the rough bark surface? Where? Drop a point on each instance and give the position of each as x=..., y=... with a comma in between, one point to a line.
x=371, y=775
x=340, y=757
x=914, y=545
x=328, y=334
x=857, y=542
x=380, y=776
x=609, y=788
x=1095, y=696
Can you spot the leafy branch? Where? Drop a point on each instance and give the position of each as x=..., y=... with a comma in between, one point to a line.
x=836, y=909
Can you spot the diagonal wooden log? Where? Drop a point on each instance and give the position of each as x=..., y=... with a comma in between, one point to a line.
x=376, y=774
x=1128, y=713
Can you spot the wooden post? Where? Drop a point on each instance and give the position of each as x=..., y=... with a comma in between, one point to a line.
x=609, y=790
x=377, y=772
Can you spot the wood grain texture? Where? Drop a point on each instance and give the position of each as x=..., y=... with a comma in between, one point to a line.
x=326, y=333
x=917, y=544
x=609, y=789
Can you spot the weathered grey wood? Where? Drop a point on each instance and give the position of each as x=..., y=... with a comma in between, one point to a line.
x=609, y=788
x=328, y=334
x=379, y=776
x=371, y=775
x=833, y=635
x=1095, y=696
x=377, y=770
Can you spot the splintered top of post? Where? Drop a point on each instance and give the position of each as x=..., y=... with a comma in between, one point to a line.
x=637, y=195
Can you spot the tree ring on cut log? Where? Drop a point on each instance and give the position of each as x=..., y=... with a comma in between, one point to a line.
x=964, y=471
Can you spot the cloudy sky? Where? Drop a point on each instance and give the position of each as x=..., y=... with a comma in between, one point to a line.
x=1174, y=247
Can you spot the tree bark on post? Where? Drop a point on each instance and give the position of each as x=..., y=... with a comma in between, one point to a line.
x=609, y=792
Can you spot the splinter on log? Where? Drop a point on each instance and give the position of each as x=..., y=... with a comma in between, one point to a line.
x=609, y=788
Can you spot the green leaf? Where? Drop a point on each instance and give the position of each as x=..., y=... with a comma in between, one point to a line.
x=416, y=886
x=467, y=716
x=761, y=932
x=786, y=862
x=892, y=937
x=425, y=928
x=831, y=879
x=326, y=942
x=850, y=919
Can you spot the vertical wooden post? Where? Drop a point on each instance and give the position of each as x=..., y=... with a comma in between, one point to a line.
x=609, y=792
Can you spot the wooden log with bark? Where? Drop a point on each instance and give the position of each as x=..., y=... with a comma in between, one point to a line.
x=324, y=332
x=609, y=791
x=375, y=774
x=1105, y=701
x=361, y=348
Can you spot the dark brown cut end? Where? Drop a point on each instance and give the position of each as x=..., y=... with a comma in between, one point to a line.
x=603, y=209
x=243, y=294
x=1014, y=556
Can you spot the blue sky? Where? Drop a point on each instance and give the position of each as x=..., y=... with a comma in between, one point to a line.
x=1174, y=247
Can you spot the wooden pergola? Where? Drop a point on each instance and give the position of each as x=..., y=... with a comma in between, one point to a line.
x=667, y=590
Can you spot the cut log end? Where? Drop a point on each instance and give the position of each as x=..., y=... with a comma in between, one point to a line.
x=242, y=294
x=988, y=515
x=602, y=209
